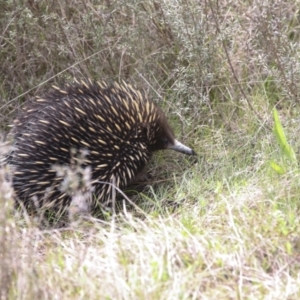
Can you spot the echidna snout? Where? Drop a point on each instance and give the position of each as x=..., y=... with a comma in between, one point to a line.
x=179, y=147
x=117, y=125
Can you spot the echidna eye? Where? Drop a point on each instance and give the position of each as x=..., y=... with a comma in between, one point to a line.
x=165, y=142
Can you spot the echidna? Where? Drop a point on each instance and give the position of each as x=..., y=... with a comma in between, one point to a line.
x=117, y=126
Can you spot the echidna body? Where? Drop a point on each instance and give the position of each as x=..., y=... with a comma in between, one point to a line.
x=117, y=126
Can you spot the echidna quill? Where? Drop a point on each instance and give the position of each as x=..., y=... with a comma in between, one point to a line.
x=117, y=126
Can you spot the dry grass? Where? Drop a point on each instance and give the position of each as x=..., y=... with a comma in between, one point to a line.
x=226, y=227
x=239, y=246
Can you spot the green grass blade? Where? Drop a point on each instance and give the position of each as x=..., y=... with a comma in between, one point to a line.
x=281, y=138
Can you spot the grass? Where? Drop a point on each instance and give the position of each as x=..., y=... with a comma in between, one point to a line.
x=223, y=227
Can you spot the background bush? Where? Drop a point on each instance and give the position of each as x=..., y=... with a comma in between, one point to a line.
x=207, y=59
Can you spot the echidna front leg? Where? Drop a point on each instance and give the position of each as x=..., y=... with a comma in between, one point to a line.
x=143, y=175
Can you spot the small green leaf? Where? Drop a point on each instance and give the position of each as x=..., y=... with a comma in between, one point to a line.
x=289, y=248
x=278, y=169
